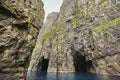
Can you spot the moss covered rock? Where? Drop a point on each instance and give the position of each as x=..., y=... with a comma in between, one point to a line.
x=20, y=21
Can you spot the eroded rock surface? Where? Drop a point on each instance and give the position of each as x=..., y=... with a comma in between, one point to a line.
x=39, y=61
x=84, y=37
x=20, y=21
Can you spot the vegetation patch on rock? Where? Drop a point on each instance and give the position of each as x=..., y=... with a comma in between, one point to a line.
x=108, y=24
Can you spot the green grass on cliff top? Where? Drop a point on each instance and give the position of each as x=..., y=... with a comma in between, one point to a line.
x=108, y=24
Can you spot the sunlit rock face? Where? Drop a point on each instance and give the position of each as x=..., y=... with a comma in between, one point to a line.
x=20, y=21
x=84, y=36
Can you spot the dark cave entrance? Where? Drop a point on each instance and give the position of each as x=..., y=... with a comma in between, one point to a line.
x=42, y=68
x=43, y=64
x=80, y=63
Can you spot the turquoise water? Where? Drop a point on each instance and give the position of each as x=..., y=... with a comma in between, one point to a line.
x=72, y=76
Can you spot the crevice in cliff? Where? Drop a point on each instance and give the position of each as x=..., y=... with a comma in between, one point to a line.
x=22, y=26
x=6, y=12
x=80, y=63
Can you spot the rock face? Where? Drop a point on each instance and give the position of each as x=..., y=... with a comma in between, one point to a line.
x=39, y=61
x=84, y=36
x=20, y=21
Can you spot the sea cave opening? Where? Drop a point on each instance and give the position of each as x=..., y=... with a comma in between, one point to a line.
x=41, y=68
x=80, y=63
x=43, y=64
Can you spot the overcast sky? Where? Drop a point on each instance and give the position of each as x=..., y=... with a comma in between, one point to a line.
x=52, y=5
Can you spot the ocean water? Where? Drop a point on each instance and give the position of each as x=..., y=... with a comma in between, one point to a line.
x=72, y=76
